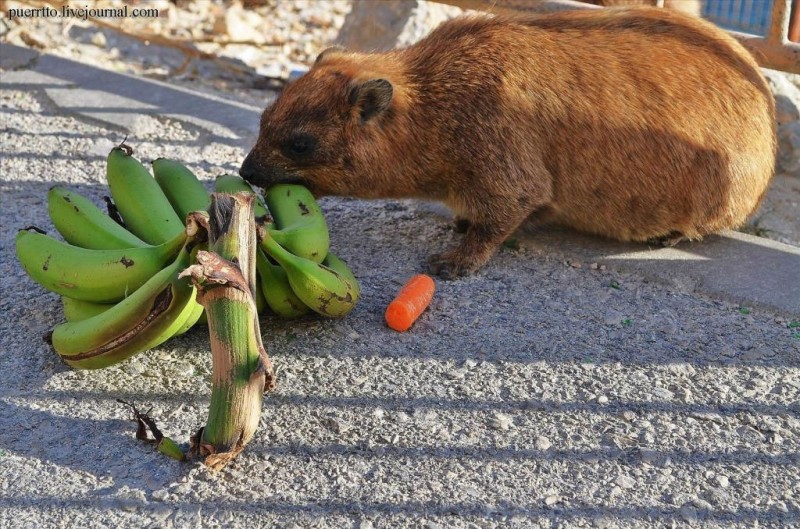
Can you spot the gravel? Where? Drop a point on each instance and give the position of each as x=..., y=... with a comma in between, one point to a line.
x=254, y=47
x=537, y=393
x=513, y=402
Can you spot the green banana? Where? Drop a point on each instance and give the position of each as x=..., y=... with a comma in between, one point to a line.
x=92, y=275
x=199, y=311
x=143, y=320
x=194, y=317
x=261, y=303
x=183, y=190
x=300, y=224
x=322, y=289
x=77, y=310
x=337, y=265
x=230, y=183
x=144, y=207
x=277, y=291
x=83, y=224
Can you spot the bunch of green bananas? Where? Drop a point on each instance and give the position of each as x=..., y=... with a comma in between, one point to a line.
x=119, y=284
x=296, y=270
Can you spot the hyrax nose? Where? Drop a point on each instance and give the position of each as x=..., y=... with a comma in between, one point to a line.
x=249, y=169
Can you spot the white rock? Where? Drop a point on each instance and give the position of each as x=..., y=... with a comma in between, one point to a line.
x=160, y=494
x=133, y=367
x=543, y=443
x=626, y=482
x=388, y=24
x=236, y=26
x=271, y=71
x=458, y=374
x=99, y=40
x=787, y=96
x=500, y=421
x=183, y=369
x=789, y=147
x=785, y=110
x=663, y=393
x=700, y=503
x=681, y=368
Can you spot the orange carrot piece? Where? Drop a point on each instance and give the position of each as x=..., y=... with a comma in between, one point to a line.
x=411, y=301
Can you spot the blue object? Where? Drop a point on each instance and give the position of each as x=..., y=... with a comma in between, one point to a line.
x=747, y=16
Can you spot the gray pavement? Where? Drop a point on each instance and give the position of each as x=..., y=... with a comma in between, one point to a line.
x=572, y=382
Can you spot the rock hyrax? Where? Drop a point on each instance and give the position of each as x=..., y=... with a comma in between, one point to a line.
x=631, y=123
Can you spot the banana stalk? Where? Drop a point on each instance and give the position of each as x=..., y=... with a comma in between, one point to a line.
x=225, y=279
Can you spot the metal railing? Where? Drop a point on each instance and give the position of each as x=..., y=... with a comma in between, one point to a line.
x=747, y=16
x=773, y=50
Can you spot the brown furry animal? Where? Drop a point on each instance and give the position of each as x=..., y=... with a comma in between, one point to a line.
x=635, y=124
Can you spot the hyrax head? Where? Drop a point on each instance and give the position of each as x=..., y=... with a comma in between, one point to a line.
x=319, y=130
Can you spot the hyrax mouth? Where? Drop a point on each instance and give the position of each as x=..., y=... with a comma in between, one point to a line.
x=267, y=176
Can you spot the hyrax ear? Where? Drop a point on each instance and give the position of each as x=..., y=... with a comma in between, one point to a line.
x=371, y=97
x=326, y=51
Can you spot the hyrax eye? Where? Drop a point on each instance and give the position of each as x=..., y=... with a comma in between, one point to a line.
x=300, y=146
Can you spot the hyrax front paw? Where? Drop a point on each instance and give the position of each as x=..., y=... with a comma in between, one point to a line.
x=451, y=265
x=667, y=241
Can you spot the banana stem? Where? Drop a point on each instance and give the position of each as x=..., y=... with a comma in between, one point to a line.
x=225, y=278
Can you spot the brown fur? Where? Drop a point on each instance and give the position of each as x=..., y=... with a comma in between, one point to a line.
x=631, y=123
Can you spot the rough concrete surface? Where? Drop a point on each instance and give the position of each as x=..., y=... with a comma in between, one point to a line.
x=544, y=391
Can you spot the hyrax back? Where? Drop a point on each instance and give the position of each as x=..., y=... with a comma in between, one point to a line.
x=633, y=124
